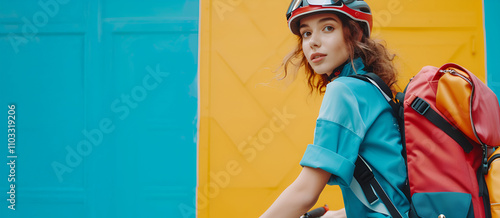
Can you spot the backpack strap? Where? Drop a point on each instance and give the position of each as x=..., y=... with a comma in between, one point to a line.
x=364, y=175
x=483, y=186
x=396, y=105
x=387, y=93
x=423, y=108
x=483, y=192
x=398, y=112
x=362, y=172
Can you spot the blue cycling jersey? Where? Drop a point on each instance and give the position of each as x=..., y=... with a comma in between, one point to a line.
x=355, y=119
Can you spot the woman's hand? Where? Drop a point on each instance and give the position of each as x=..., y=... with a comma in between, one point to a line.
x=335, y=214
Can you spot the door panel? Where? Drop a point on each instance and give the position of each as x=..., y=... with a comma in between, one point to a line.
x=106, y=98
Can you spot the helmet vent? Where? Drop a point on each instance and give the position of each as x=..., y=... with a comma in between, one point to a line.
x=366, y=10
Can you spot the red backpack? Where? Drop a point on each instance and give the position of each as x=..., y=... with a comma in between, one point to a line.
x=448, y=118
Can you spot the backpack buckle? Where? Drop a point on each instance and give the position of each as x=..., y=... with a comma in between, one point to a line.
x=485, y=160
x=420, y=105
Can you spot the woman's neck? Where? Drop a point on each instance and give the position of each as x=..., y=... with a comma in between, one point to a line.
x=336, y=72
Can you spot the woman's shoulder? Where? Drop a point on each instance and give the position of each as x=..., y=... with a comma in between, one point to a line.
x=354, y=91
x=349, y=92
x=349, y=84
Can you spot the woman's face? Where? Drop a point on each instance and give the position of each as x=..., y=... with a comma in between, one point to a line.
x=323, y=42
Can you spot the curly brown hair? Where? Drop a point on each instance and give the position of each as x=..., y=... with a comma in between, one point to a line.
x=375, y=56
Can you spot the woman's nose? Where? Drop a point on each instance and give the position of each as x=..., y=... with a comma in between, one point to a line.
x=314, y=41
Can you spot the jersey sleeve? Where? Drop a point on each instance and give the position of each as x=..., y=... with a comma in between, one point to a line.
x=338, y=135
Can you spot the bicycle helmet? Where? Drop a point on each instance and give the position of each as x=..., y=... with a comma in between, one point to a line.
x=357, y=10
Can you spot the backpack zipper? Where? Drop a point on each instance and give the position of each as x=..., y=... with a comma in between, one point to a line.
x=453, y=72
x=485, y=163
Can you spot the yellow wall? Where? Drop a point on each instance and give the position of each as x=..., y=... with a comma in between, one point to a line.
x=254, y=128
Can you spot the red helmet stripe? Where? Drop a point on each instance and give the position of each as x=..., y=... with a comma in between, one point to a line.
x=354, y=14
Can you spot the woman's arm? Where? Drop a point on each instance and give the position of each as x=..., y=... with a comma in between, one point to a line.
x=335, y=214
x=301, y=195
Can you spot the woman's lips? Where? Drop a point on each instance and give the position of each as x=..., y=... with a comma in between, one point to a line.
x=317, y=57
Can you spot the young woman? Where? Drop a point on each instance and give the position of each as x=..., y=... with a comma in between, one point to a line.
x=334, y=42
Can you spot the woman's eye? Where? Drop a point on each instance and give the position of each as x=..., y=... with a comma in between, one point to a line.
x=306, y=34
x=328, y=28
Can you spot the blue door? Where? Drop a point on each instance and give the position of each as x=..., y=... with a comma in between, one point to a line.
x=103, y=102
x=492, y=31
